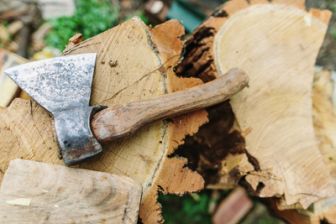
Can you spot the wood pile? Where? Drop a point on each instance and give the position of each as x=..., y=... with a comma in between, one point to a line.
x=21, y=21
x=276, y=138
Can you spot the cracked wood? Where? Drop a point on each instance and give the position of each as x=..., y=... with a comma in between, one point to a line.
x=274, y=114
x=133, y=63
x=34, y=192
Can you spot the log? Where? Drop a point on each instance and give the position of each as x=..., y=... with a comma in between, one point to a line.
x=133, y=63
x=33, y=192
x=8, y=89
x=274, y=115
x=324, y=115
x=233, y=208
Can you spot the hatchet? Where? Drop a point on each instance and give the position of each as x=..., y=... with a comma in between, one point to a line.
x=62, y=86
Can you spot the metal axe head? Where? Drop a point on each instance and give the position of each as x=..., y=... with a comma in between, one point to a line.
x=62, y=85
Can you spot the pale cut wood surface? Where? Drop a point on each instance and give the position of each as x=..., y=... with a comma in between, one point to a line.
x=275, y=112
x=8, y=89
x=34, y=192
x=324, y=115
x=119, y=121
x=122, y=75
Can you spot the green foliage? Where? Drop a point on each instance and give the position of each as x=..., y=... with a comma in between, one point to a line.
x=91, y=17
x=195, y=209
x=191, y=209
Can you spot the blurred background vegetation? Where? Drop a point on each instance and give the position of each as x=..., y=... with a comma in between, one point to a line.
x=92, y=17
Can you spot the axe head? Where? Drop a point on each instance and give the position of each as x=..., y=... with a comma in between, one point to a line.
x=62, y=86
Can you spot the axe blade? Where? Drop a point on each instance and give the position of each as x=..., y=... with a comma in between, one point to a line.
x=57, y=83
x=62, y=85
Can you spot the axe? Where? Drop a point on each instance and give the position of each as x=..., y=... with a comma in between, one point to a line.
x=62, y=86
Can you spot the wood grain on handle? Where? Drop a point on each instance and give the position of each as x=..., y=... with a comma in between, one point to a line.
x=121, y=120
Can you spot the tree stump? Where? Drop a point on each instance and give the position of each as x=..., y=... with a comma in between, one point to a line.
x=276, y=43
x=133, y=63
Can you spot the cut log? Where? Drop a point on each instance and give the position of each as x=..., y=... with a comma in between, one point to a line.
x=277, y=108
x=233, y=208
x=324, y=115
x=33, y=192
x=8, y=89
x=133, y=63
x=275, y=114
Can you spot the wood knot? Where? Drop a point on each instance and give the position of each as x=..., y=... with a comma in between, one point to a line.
x=113, y=63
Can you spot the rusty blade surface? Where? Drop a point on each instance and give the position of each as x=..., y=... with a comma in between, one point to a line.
x=57, y=83
x=62, y=85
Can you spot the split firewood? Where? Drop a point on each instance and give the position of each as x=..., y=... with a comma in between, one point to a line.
x=15, y=27
x=324, y=114
x=324, y=118
x=8, y=89
x=4, y=35
x=7, y=40
x=52, y=9
x=275, y=115
x=39, y=35
x=33, y=192
x=233, y=208
x=133, y=63
x=10, y=9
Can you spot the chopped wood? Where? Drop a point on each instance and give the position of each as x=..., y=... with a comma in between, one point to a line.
x=234, y=166
x=4, y=35
x=52, y=9
x=39, y=35
x=280, y=95
x=8, y=89
x=233, y=208
x=275, y=114
x=10, y=9
x=144, y=68
x=14, y=27
x=324, y=115
x=34, y=192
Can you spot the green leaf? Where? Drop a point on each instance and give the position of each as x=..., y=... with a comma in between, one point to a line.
x=91, y=18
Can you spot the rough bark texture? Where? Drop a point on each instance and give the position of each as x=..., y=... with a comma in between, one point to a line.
x=45, y=193
x=133, y=63
x=274, y=116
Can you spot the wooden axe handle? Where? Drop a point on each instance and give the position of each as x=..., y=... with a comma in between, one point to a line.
x=121, y=120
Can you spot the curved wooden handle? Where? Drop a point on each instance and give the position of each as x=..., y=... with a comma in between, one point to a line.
x=118, y=121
